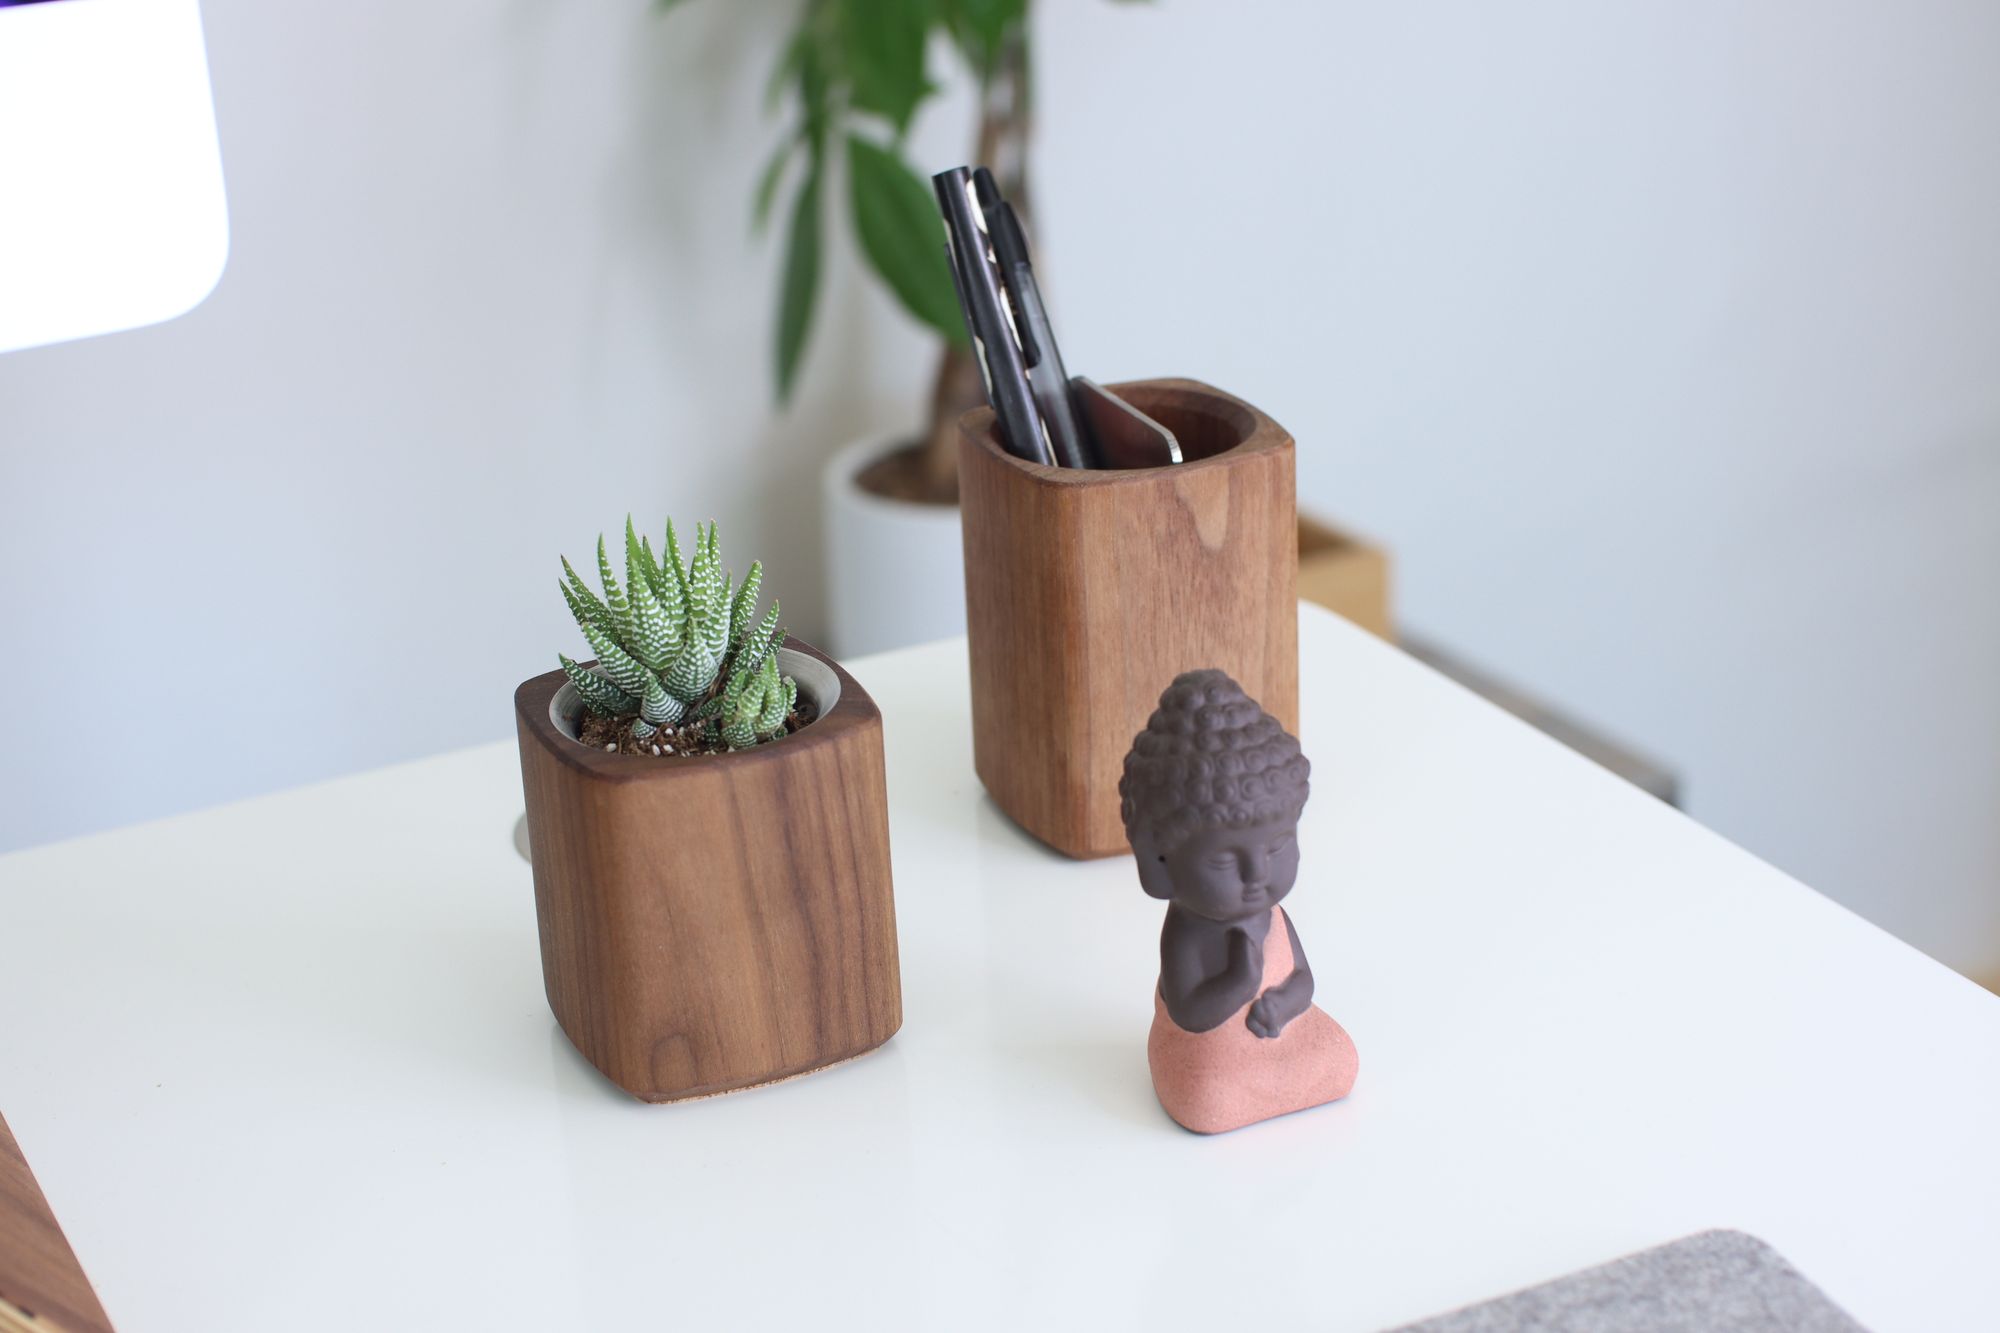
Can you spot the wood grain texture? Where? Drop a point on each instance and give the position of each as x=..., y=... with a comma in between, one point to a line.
x=715, y=923
x=42, y=1287
x=1088, y=591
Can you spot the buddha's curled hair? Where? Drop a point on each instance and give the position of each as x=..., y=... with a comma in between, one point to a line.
x=1209, y=757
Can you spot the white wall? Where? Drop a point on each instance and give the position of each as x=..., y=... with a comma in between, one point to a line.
x=490, y=288
x=1657, y=340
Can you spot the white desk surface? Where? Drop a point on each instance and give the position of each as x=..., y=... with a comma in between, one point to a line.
x=286, y=1065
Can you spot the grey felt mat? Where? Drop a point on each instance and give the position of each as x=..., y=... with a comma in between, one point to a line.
x=1714, y=1282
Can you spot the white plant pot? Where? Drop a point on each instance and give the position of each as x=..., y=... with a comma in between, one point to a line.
x=895, y=569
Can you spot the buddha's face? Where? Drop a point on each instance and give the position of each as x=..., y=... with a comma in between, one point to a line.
x=1228, y=874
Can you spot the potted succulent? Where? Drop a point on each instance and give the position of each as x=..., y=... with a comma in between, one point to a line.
x=710, y=835
x=851, y=77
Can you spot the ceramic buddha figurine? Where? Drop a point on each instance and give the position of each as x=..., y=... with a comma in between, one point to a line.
x=1211, y=796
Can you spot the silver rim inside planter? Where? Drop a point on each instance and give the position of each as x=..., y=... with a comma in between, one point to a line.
x=818, y=684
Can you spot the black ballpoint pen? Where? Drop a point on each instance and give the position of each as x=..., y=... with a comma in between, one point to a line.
x=988, y=319
x=1042, y=361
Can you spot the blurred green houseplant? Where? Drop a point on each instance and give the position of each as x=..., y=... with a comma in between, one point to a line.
x=850, y=79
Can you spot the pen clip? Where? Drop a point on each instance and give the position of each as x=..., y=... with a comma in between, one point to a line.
x=1007, y=249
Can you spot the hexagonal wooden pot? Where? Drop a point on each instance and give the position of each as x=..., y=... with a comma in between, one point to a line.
x=715, y=922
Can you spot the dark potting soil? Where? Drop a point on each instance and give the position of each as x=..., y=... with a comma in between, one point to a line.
x=689, y=741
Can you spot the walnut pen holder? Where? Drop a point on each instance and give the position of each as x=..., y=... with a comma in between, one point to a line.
x=716, y=922
x=1088, y=591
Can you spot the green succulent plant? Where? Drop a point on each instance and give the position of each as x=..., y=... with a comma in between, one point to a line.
x=675, y=643
x=755, y=704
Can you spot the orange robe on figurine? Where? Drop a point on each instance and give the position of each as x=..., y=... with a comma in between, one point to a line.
x=1211, y=796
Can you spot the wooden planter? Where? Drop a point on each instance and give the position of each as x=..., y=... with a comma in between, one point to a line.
x=1088, y=591
x=715, y=923
x=42, y=1288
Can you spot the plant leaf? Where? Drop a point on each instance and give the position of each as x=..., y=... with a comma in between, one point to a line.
x=745, y=606
x=799, y=287
x=673, y=563
x=660, y=708
x=767, y=185
x=981, y=26
x=713, y=588
x=757, y=645
x=882, y=45
x=614, y=596
x=599, y=695
x=771, y=716
x=694, y=671
x=673, y=603
x=654, y=639
x=625, y=670
x=896, y=217
x=583, y=603
x=788, y=66
x=743, y=707
x=732, y=693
